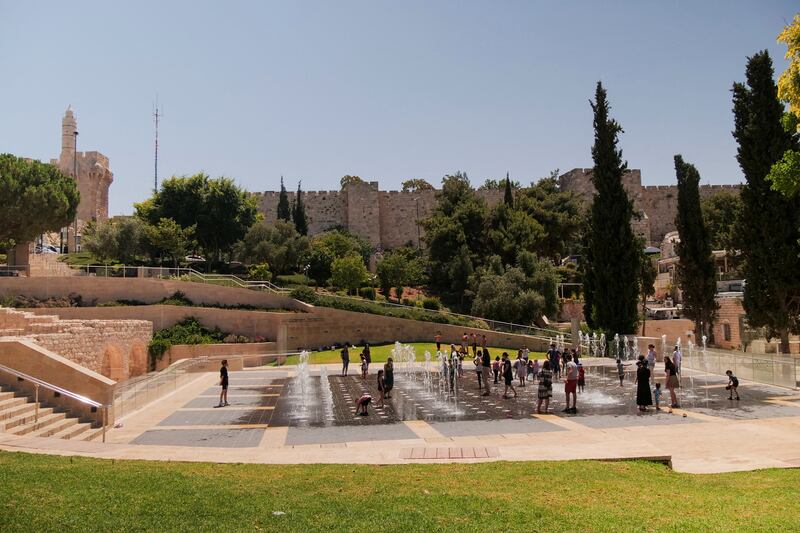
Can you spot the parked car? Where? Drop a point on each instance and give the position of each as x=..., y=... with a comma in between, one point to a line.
x=194, y=259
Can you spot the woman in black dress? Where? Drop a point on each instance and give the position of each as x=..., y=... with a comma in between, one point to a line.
x=643, y=395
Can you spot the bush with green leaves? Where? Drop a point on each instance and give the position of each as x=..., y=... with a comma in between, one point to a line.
x=348, y=272
x=187, y=331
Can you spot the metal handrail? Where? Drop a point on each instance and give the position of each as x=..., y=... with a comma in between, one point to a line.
x=55, y=388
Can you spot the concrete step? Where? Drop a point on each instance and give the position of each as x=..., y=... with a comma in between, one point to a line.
x=74, y=432
x=94, y=434
x=26, y=418
x=49, y=430
x=19, y=409
x=31, y=426
x=6, y=394
x=7, y=402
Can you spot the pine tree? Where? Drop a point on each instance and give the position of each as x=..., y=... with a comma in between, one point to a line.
x=284, y=213
x=299, y=213
x=696, y=273
x=508, y=197
x=767, y=228
x=612, y=268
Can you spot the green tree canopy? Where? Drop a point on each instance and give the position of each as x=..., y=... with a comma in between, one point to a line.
x=400, y=268
x=611, y=280
x=521, y=294
x=299, y=212
x=170, y=239
x=284, y=212
x=697, y=275
x=348, y=179
x=348, y=272
x=327, y=246
x=36, y=198
x=455, y=236
x=719, y=216
x=416, y=185
x=277, y=244
x=558, y=212
x=119, y=240
x=221, y=211
x=511, y=230
x=766, y=231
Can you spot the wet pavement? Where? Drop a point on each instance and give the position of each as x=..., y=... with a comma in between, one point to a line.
x=321, y=409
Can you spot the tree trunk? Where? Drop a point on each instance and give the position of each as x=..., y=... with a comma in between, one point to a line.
x=644, y=315
x=785, y=341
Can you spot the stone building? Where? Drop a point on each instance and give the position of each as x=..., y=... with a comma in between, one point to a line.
x=90, y=169
x=388, y=219
x=658, y=204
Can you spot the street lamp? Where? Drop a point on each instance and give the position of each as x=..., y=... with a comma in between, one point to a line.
x=75, y=176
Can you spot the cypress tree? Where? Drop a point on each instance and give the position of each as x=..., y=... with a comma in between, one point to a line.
x=612, y=269
x=766, y=230
x=299, y=213
x=508, y=197
x=284, y=213
x=696, y=273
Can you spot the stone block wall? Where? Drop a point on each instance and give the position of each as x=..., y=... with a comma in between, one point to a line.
x=116, y=349
x=385, y=219
x=658, y=203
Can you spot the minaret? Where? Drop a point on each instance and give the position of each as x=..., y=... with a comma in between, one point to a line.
x=68, y=128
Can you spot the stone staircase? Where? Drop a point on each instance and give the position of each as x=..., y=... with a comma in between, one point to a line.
x=17, y=417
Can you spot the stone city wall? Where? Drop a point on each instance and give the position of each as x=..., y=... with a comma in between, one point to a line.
x=658, y=203
x=385, y=219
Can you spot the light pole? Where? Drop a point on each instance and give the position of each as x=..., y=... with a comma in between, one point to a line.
x=416, y=202
x=75, y=176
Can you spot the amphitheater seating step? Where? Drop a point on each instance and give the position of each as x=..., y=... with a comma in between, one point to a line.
x=18, y=417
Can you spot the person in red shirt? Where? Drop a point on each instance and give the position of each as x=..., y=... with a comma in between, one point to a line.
x=581, y=377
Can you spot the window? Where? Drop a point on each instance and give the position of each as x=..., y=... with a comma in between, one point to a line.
x=726, y=331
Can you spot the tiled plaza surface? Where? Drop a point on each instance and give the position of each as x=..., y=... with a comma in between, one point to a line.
x=274, y=417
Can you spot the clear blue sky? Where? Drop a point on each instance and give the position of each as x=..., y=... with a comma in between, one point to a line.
x=386, y=90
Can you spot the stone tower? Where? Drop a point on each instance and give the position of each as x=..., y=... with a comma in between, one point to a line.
x=93, y=174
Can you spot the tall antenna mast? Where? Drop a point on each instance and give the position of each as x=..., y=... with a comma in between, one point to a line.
x=157, y=114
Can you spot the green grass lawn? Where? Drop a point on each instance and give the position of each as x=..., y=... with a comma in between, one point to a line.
x=382, y=352
x=48, y=493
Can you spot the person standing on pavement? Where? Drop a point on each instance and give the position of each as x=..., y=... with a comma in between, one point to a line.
x=367, y=355
x=651, y=360
x=486, y=365
x=508, y=376
x=571, y=385
x=345, y=359
x=223, y=381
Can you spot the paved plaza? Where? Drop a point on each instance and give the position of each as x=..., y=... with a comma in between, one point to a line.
x=268, y=421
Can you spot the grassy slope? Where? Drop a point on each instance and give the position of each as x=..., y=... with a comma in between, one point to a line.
x=380, y=353
x=44, y=493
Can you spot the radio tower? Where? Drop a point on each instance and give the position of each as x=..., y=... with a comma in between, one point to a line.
x=156, y=115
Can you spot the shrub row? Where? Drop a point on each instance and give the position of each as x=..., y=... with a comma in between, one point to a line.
x=308, y=295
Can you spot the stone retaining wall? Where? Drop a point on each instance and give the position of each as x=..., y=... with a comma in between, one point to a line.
x=114, y=348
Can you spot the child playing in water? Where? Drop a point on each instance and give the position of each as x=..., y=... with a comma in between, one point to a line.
x=535, y=369
x=364, y=366
x=621, y=371
x=733, y=385
x=496, y=368
x=581, y=377
x=657, y=396
x=362, y=403
x=381, y=389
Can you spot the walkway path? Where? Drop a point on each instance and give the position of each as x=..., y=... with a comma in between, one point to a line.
x=764, y=432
